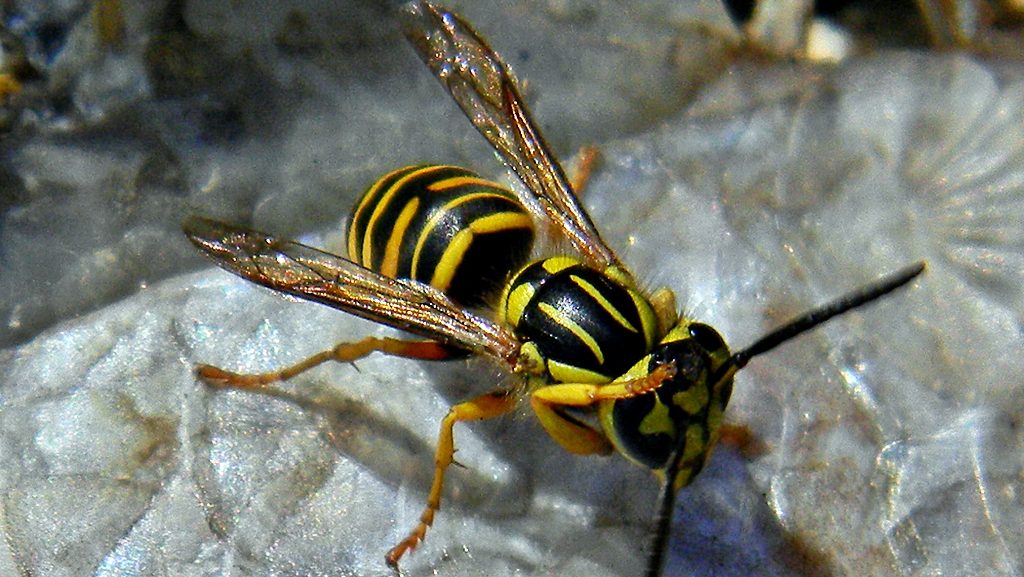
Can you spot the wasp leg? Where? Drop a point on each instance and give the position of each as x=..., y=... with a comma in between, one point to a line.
x=342, y=353
x=742, y=439
x=578, y=437
x=573, y=435
x=488, y=406
x=586, y=158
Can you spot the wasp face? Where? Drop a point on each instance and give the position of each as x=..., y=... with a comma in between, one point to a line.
x=685, y=411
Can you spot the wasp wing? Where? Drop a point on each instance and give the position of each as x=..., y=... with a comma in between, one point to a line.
x=484, y=87
x=318, y=276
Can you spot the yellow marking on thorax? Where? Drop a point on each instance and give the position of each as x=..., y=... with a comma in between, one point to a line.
x=607, y=306
x=692, y=401
x=573, y=327
x=515, y=303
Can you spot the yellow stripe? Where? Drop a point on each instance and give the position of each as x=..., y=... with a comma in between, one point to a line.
x=574, y=328
x=500, y=221
x=389, y=266
x=439, y=214
x=369, y=199
x=599, y=298
x=516, y=301
x=457, y=181
x=354, y=238
x=648, y=319
x=558, y=263
x=460, y=243
x=450, y=259
x=382, y=208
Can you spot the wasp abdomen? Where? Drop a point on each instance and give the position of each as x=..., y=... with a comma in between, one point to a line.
x=444, y=226
x=588, y=327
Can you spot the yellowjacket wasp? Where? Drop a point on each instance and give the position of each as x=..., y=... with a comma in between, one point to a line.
x=425, y=242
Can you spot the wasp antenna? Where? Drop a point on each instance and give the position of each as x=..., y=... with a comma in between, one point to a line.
x=666, y=496
x=818, y=316
x=823, y=313
x=663, y=514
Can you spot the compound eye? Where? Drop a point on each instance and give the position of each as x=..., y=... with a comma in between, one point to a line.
x=690, y=360
x=707, y=337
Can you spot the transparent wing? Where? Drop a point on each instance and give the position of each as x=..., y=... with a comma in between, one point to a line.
x=322, y=277
x=485, y=89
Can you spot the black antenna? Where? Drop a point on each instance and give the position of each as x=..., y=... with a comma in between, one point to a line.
x=823, y=313
x=667, y=494
x=666, y=505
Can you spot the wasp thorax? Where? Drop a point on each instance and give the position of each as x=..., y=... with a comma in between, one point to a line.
x=588, y=326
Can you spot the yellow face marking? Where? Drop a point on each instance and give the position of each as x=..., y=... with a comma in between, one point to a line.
x=692, y=401
x=573, y=327
x=693, y=453
x=607, y=306
x=694, y=442
x=389, y=266
x=657, y=421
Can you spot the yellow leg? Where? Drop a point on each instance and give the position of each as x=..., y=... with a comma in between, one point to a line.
x=578, y=437
x=342, y=353
x=574, y=436
x=487, y=406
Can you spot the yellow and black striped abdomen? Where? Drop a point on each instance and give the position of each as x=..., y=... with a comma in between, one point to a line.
x=587, y=326
x=444, y=226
